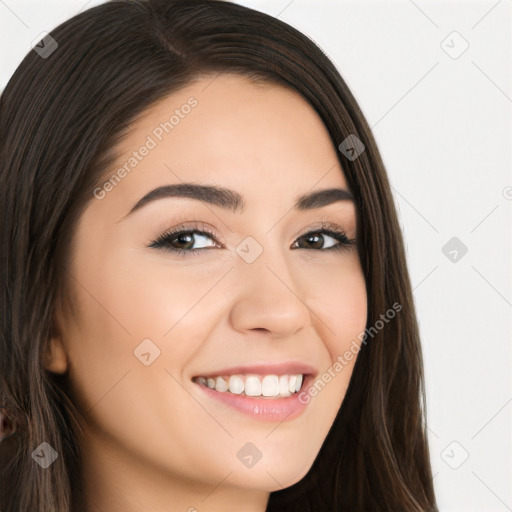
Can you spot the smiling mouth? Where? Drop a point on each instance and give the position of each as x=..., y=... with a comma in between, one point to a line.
x=254, y=385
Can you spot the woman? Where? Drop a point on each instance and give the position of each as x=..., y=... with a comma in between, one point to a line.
x=205, y=301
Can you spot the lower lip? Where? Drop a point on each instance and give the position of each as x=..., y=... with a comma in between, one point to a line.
x=264, y=409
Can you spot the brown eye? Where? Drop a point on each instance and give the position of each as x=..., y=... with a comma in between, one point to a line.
x=325, y=240
x=183, y=241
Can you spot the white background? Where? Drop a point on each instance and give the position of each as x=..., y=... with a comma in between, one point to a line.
x=443, y=126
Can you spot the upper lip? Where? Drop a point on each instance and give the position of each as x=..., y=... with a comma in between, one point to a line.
x=284, y=368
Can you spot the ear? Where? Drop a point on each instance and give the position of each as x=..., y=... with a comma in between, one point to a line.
x=56, y=359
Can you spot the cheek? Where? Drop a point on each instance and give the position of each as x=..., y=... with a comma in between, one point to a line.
x=132, y=312
x=345, y=310
x=131, y=298
x=340, y=307
x=126, y=304
x=339, y=300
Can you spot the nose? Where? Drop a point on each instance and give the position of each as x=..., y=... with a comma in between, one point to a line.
x=266, y=298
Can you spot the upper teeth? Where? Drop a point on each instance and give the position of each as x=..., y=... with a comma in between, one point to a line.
x=254, y=385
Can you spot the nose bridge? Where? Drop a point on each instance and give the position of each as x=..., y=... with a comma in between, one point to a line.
x=266, y=296
x=264, y=259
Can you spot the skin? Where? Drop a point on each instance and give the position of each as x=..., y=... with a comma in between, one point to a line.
x=153, y=439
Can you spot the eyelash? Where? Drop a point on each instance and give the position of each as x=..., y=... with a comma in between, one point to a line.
x=162, y=242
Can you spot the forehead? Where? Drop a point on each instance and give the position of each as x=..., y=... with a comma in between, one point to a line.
x=226, y=129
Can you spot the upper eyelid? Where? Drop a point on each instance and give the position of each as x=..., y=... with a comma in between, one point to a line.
x=196, y=227
x=321, y=226
x=202, y=226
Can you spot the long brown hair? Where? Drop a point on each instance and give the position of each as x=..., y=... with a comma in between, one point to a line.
x=60, y=119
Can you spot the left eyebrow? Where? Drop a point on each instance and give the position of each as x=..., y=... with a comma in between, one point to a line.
x=232, y=200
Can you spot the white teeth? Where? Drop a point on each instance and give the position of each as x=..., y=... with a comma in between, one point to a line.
x=221, y=384
x=270, y=385
x=292, y=381
x=236, y=384
x=283, y=385
x=299, y=383
x=253, y=385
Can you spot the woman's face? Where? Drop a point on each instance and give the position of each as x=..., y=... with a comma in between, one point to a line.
x=258, y=292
